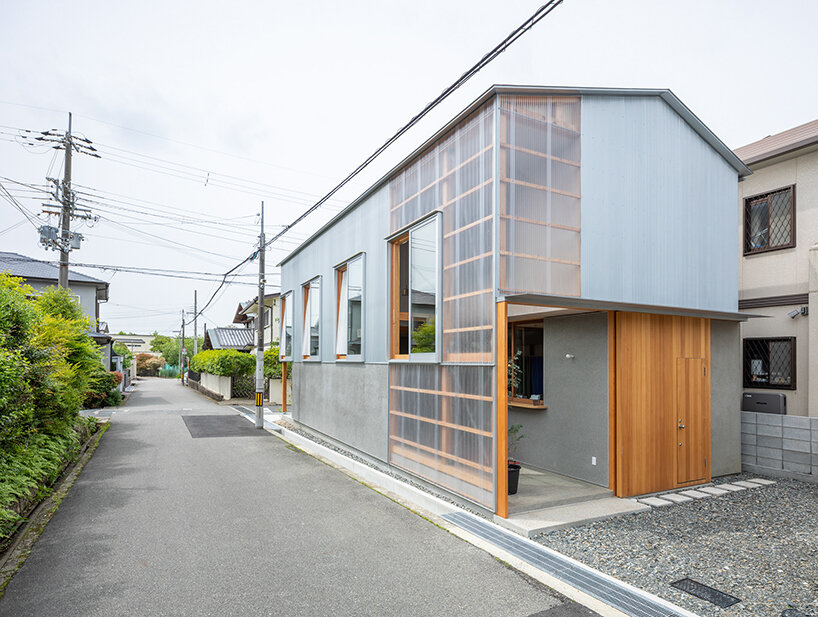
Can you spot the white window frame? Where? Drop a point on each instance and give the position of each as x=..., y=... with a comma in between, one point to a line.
x=306, y=320
x=341, y=342
x=286, y=310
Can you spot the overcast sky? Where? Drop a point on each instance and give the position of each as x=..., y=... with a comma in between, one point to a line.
x=287, y=98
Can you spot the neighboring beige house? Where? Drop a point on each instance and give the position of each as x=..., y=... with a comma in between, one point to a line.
x=247, y=312
x=778, y=267
x=137, y=343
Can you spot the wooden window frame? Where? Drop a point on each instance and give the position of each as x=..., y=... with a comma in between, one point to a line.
x=749, y=201
x=768, y=386
x=512, y=327
x=339, y=270
x=305, y=331
x=339, y=273
x=395, y=315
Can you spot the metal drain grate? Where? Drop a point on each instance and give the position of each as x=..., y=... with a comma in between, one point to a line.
x=221, y=426
x=617, y=594
x=705, y=592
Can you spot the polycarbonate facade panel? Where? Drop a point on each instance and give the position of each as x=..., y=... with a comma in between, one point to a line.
x=441, y=422
x=441, y=426
x=539, y=210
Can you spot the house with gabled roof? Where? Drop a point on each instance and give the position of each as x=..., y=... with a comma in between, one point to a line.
x=556, y=259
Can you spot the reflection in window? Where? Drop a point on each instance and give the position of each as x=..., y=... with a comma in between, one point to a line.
x=526, y=356
x=312, y=319
x=286, y=339
x=349, y=329
x=423, y=281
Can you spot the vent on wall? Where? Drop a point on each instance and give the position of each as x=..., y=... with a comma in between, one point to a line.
x=764, y=402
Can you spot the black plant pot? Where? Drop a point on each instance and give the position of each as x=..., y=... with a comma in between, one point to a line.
x=513, y=478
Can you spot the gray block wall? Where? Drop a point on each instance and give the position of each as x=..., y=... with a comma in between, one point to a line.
x=785, y=445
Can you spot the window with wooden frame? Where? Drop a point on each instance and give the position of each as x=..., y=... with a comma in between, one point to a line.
x=769, y=363
x=311, y=332
x=285, y=348
x=414, y=292
x=769, y=221
x=526, y=369
x=349, y=309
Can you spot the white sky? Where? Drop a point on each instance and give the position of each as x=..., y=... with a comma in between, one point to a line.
x=295, y=95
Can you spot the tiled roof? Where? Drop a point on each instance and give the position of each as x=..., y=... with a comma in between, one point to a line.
x=780, y=143
x=230, y=338
x=28, y=268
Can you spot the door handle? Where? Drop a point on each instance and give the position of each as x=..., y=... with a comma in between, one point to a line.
x=681, y=425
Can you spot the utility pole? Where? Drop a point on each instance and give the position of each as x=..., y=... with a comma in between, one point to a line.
x=195, y=324
x=260, y=329
x=179, y=357
x=67, y=207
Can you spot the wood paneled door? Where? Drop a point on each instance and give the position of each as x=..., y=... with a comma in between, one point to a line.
x=662, y=387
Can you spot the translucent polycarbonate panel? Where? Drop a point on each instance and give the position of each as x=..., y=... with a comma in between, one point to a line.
x=456, y=176
x=355, y=287
x=441, y=426
x=539, y=210
x=423, y=283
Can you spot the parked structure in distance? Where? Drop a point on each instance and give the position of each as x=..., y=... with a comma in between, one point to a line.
x=586, y=236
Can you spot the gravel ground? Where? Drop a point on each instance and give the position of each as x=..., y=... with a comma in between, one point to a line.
x=760, y=545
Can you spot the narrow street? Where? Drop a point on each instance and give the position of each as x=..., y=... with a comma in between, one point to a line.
x=161, y=523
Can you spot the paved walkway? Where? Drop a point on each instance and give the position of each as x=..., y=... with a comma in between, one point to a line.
x=160, y=523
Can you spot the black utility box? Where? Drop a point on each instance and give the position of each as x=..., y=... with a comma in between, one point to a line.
x=764, y=402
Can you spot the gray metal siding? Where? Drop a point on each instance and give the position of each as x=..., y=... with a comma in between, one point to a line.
x=360, y=230
x=659, y=222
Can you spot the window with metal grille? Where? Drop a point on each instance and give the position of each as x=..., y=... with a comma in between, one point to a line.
x=769, y=221
x=769, y=363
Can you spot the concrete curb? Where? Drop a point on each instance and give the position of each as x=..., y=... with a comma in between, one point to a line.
x=431, y=508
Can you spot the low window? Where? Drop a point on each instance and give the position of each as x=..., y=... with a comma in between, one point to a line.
x=525, y=365
x=349, y=327
x=769, y=221
x=310, y=342
x=769, y=363
x=415, y=295
x=285, y=351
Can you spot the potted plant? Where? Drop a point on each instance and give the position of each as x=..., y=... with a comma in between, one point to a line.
x=515, y=434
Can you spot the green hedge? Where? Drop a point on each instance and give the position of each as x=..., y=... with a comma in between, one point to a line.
x=224, y=362
x=272, y=365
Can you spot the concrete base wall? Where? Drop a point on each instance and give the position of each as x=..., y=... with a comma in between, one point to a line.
x=217, y=384
x=574, y=428
x=346, y=401
x=787, y=445
x=276, y=394
x=725, y=397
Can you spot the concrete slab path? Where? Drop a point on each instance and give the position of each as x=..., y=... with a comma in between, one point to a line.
x=163, y=524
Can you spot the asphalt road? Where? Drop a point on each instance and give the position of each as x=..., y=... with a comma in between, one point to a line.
x=163, y=524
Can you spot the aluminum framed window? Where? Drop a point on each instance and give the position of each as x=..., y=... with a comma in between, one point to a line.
x=349, y=326
x=285, y=349
x=416, y=302
x=769, y=221
x=769, y=363
x=311, y=332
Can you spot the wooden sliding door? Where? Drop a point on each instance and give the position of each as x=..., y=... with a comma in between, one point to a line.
x=662, y=402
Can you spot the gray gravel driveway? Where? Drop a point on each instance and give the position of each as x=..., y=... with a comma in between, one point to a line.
x=760, y=545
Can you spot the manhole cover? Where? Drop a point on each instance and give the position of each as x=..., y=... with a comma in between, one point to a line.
x=705, y=592
x=221, y=426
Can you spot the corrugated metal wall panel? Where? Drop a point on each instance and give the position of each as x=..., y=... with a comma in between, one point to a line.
x=659, y=216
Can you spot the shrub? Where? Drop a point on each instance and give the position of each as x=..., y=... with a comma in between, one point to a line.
x=118, y=377
x=272, y=364
x=112, y=399
x=224, y=362
x=100, y=385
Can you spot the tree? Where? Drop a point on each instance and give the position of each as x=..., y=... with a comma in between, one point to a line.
x=127, y=354
x=170, y=349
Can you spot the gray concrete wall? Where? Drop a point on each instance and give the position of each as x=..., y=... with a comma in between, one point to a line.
x=725, y=397
x=346, y=401
x=564, y=437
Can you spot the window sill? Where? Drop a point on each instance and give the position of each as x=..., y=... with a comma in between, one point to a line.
x=527, y=404
x=414, y=361
x=350, y=360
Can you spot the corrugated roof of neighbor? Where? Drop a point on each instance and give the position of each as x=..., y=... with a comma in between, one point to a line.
x=780, y=143
x=665, y=94
x=29, y=268
x=230, y=338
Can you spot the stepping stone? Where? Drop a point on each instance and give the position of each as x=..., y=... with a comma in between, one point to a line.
x=732, y=487
x=655, y=502
x=713, y=490
x=746, y=484
x=676, y=498
x=695, y=494
x=762, y=481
